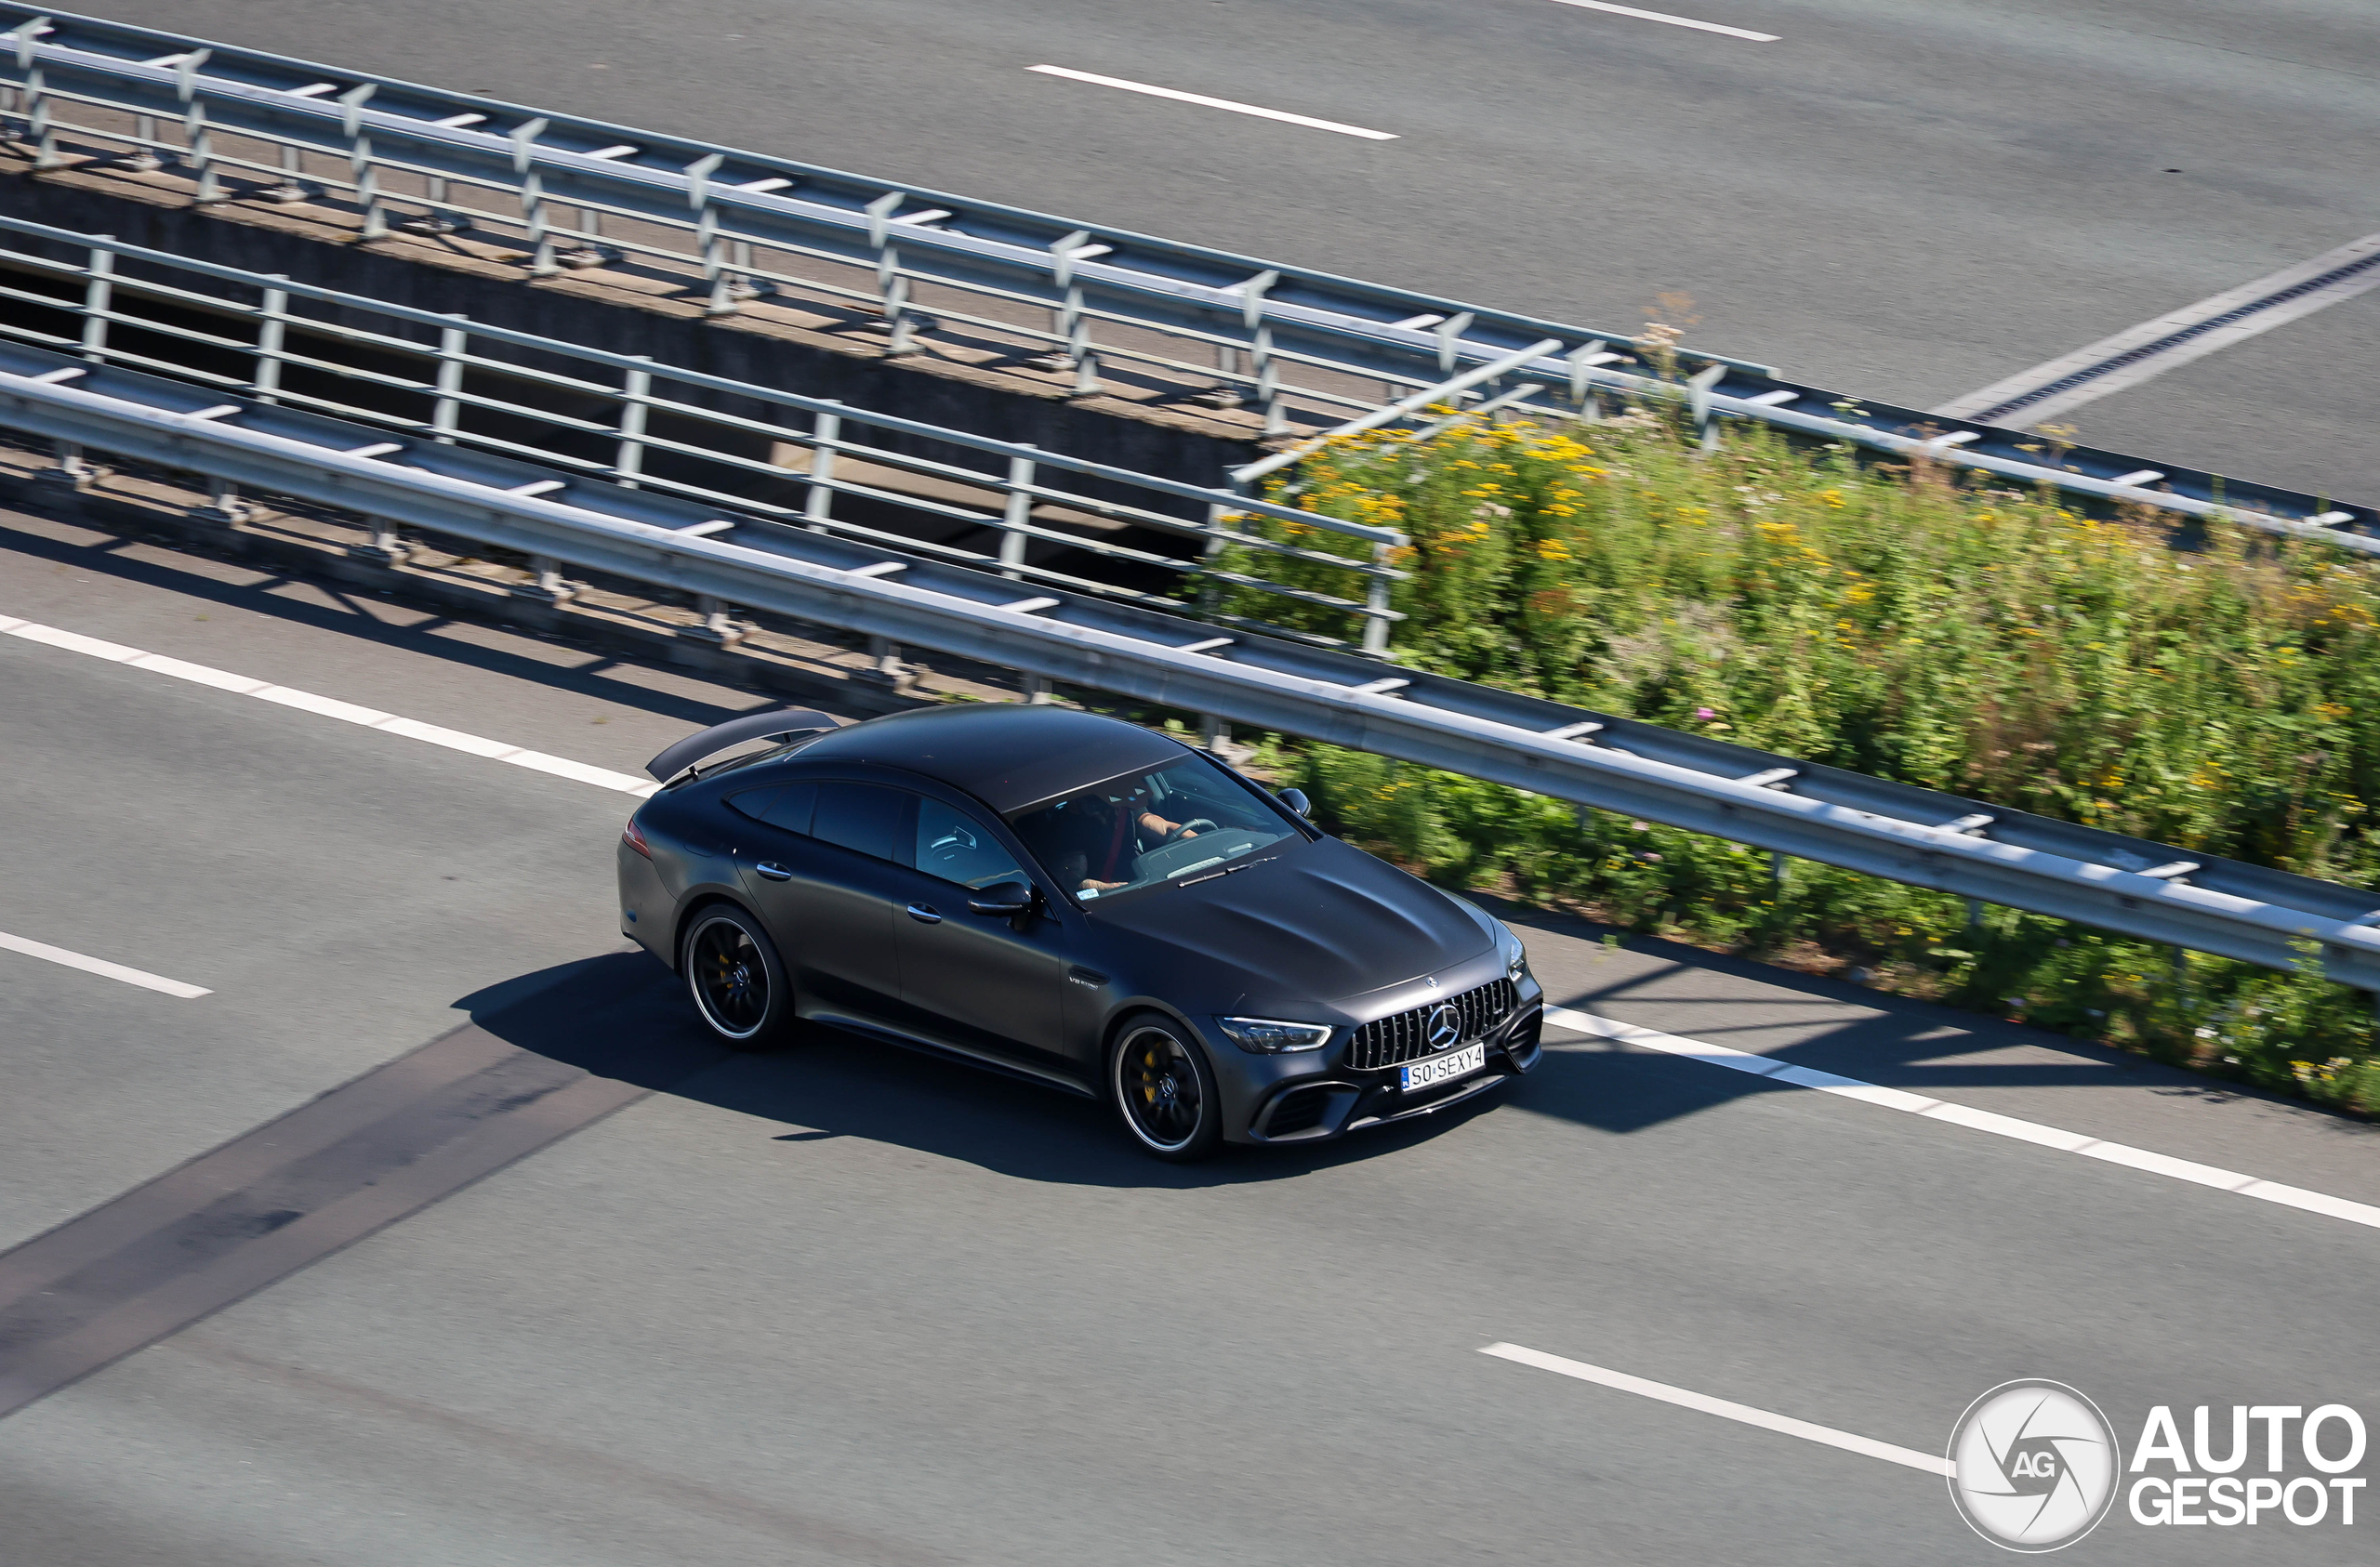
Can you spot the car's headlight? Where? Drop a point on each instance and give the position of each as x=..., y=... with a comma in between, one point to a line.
x=1515, y=957
x=1268, y=1037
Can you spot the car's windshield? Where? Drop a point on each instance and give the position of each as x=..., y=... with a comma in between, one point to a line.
x=1179, y=819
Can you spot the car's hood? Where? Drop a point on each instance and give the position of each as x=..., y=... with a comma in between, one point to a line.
x=1322, y=922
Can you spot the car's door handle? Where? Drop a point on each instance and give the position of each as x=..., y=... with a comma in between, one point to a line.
x=925, y=914
x=773, y=870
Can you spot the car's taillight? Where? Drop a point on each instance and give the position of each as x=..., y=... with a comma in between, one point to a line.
x=634, y=837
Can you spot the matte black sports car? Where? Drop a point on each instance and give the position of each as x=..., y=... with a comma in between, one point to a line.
x=1076, y=900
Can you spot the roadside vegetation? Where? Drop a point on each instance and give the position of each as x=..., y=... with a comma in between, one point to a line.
x=2219, y=692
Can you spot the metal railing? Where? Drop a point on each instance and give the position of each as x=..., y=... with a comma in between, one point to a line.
x=2148, y=890
x=630, y=419
x=1104, y=307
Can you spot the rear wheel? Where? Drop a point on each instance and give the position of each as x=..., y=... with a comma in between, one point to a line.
x=1161, y=1084
x=737, y=981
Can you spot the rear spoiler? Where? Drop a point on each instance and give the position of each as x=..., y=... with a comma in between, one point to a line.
x=784, y=724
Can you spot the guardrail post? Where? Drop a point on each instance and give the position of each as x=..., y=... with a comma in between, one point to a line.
x=628, y=467
x=73, y=473
x=437, y=221
x=533, y=199
x=891, y=283
x=1450, y=331
x=381, y=544
x=1218, y=532
x=722, y=300
x=1583, y=396
x=1066, y=319
x=99, y=296
x=1260, y=349
x=453, y=345
x=715, y=626
x=272, y=328
x=224, y=507
x=817, y=506
x=1037, y=690
x=37, y=127
x=359, y=161
x=1223, y=394
x=885, y=665
x=1698, y=394
x=292, y=188
x=194, y=131
x=547, y=586
x=1376, y=620
x=1016, y=516
x=145, y=158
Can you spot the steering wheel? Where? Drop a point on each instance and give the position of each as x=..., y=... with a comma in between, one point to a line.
x=1199, y=826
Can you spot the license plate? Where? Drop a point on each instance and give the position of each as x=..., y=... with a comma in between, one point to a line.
x=1443, y=1069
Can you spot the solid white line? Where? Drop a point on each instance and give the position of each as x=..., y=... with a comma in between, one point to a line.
x=2174, y=321
x=1212, y=102
x=100, y=965
x=325, y=706
x=1972, y=1119
x=1674, y=22
x=1704, y=1402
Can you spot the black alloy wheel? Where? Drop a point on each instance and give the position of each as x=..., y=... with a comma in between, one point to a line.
x=1165, y=1091
x=737, y=981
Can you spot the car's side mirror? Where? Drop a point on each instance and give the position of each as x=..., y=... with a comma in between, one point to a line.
x=1295, y=799
x=1011, y=898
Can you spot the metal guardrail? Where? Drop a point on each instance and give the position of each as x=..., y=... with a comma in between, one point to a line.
x=614, y=415
x=1310, y=349
x=2144, y=889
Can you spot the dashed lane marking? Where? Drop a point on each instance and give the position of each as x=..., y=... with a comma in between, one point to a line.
x=1204, y=102
x=1726, y=1410
x=1743, y=32
x=327, y=707
x=1775, y=1071
x=101, y=966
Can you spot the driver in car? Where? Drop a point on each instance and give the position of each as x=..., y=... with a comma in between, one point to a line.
x=1088, y=840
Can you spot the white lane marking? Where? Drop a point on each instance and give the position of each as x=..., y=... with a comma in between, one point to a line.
x=1967, y=1117
x=101, y=966
x=1674, y=22
x=1212, y=102
x=325, y=706
x=1726, y=1410
x=2150, y=367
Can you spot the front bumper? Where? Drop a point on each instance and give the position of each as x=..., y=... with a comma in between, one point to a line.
x=1331, y=1103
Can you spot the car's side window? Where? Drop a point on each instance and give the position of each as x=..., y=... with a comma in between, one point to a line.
x=867, y=818
x=955, y=847
x=754, y=803
x=788, y=805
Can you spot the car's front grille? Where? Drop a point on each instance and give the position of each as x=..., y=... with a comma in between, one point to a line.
x=1406, y=1035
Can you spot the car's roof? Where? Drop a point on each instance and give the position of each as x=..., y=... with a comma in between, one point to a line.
x=1008, y=756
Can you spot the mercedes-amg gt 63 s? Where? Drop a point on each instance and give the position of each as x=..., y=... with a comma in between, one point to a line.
x=1076, y=900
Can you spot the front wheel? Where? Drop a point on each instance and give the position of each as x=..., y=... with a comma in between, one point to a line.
x=1161, y=1084
x=737, y=981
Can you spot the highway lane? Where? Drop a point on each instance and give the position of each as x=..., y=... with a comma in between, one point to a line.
x=842, y=1304
x=1905, y=200
x=331, y=909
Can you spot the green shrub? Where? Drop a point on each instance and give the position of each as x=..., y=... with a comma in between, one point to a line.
x=2223, y=695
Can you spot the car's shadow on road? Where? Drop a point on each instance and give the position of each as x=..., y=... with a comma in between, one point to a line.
x=622, y=1016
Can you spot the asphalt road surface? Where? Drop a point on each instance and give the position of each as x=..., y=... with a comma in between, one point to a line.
x=1907, y=200
x=847, y=1305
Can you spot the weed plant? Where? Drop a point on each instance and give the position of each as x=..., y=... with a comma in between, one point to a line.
x=2219, y=691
